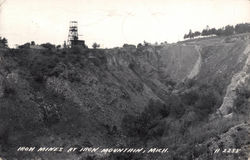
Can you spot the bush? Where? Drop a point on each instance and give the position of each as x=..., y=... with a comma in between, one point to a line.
x=9, y=91
x=43, y=66
x=48, y=46
x=241, y=104
x=73, y=76
x=24, y=46
x=190, y=98
x=147, y=122
x=50, y=114
x=205, y=105
x=176, y=106
x=131, y=126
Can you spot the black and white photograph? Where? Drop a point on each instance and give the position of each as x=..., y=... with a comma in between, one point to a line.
x=124, y=79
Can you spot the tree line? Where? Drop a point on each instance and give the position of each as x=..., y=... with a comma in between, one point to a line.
x=224, y=31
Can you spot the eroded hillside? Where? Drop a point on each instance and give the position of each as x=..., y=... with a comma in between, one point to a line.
x=131, y=96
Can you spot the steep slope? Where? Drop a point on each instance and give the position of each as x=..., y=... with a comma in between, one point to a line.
x=196, y=68
x=66, y=97
x=239, y=79
x=79, y=97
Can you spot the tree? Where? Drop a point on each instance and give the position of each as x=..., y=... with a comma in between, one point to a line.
x=146, y=43
x=24, y=46
x=197, y=33
x=207, y=27
x=95, y=45
x=204, y=32
x=219, y=32
x=212, y=31
x=229, y=30
x=58, y=46
x=190, y=34
x=33, y=43
x=139, y=45
x=3, y=43
x=48, y=46
x=185, y=36
x=242, y=28
x=64, y=44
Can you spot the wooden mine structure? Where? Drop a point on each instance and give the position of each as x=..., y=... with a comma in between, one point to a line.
x=73, y=39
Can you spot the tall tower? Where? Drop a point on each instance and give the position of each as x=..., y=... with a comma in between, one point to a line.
x=73, y=33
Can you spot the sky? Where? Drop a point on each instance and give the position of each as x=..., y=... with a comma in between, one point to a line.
x=112, y=23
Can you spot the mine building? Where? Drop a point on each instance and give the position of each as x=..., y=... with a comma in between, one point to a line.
x=73, y=39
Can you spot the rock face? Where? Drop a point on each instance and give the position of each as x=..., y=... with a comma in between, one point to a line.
x=196, y=68
x=86, y=93
x=177, y=61
x=239, y=79
x=180, y=61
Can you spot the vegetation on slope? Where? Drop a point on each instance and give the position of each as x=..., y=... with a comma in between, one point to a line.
x=76, y=98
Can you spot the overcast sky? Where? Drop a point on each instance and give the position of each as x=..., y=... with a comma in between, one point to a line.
x=115, y=22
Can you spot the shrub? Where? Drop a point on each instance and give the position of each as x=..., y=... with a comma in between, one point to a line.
x=50, y=114
x=148, y=124
x=73, y=76
x=190, y=98
x=9, y=91
x=43, y=66
x=24, y=46
x=241, y=104
x=48, y=46
x=131, y=126
x=176, y=106
x=205, y=105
